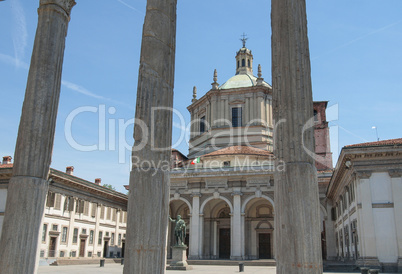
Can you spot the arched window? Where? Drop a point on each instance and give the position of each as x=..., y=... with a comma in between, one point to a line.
x=238, y=64
x=315, y=116
x=248, y=62
x=243, y=62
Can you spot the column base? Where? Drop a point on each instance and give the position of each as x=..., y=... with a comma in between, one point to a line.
x=179, y=259
x=370, y=262
x=399, y=265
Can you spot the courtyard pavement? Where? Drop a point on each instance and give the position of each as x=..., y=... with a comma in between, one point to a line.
x=117, y=268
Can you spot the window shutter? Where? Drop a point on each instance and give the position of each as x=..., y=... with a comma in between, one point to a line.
x=333, y=213
x=50, y=199
x=58, y=201
x=70, y=204
x=86, y=208
x=93, y=212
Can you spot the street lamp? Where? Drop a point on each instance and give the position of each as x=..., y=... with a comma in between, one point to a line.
x=376, y=132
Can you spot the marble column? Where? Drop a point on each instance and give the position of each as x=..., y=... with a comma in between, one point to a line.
x=148, y=202
x=297, y=217
x=195, y=228
x=28, y=186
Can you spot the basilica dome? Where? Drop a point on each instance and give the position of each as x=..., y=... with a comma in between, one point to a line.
x=242, y=81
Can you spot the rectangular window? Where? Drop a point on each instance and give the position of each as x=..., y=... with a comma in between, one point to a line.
x=64, y=235
x=55, y=227
x=61, y=253
x=89, y=254
x=99, y=254
x=84, y=231
x=44, y=232
x=73, y=253
x=125, y=217
x=42, y=253
x=91, y=237
x=236, y=117
x=202, y=124
x=112, y=239
x=100, y=238
x=75, y=236
x=108, y=213
x=119, y=241
x=121, y=216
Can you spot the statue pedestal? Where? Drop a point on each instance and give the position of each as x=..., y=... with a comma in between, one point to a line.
x=179, y=259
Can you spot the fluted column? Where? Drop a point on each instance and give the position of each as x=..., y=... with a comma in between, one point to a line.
x=297, y=219
x=27, y=188
x=149, y=179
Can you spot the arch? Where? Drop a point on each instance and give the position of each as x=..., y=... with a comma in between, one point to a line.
x=184, y=200
x=212, y=198
x=243, y=62
x=243, y=207
x=324, y=211
x=248, y=63
x=264, y=222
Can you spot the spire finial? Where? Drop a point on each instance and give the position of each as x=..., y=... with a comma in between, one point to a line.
x=194, y=94
x=259, y=79
x=244, y=39
x=215, y=84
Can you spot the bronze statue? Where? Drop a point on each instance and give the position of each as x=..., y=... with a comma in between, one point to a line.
x=179, y=230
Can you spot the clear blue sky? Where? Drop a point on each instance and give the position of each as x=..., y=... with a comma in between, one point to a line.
x=355, y=48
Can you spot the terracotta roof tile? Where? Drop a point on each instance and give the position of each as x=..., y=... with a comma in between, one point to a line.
x=390, y=142
x=6, y=165
x=239, y=150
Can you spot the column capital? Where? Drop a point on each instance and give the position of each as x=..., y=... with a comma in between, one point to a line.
x=237, y=193
x=197, y=194
x=395, y=173
x=366, y=174
x=66, y=5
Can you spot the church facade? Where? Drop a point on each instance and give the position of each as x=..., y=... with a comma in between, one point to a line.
x=225, y=192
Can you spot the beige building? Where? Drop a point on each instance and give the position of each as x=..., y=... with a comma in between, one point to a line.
x=227, y=195
x=81, y=219
x=366, y=197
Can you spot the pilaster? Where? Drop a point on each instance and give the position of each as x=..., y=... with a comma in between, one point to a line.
x=236, y=234
x=195, y=228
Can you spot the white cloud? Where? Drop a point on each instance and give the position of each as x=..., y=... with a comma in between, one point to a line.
x=20, y=34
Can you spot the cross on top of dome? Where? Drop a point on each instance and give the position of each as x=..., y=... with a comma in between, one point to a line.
x=244, y=39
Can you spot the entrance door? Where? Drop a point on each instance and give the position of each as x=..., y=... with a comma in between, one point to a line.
x=52, y=246
x=224, y=243
x=264, y=246
x=105, y=249
x=82, y=248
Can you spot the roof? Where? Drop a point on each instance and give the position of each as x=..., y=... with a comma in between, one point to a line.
x=242, y=81
x=239, y=150
x=6, y=165
x=390, y=142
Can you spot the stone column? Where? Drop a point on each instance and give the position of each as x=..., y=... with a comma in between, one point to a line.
x=195, y=228
x=28, y=186
x=148, y=202
x=236, y=227
x=297, y=217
